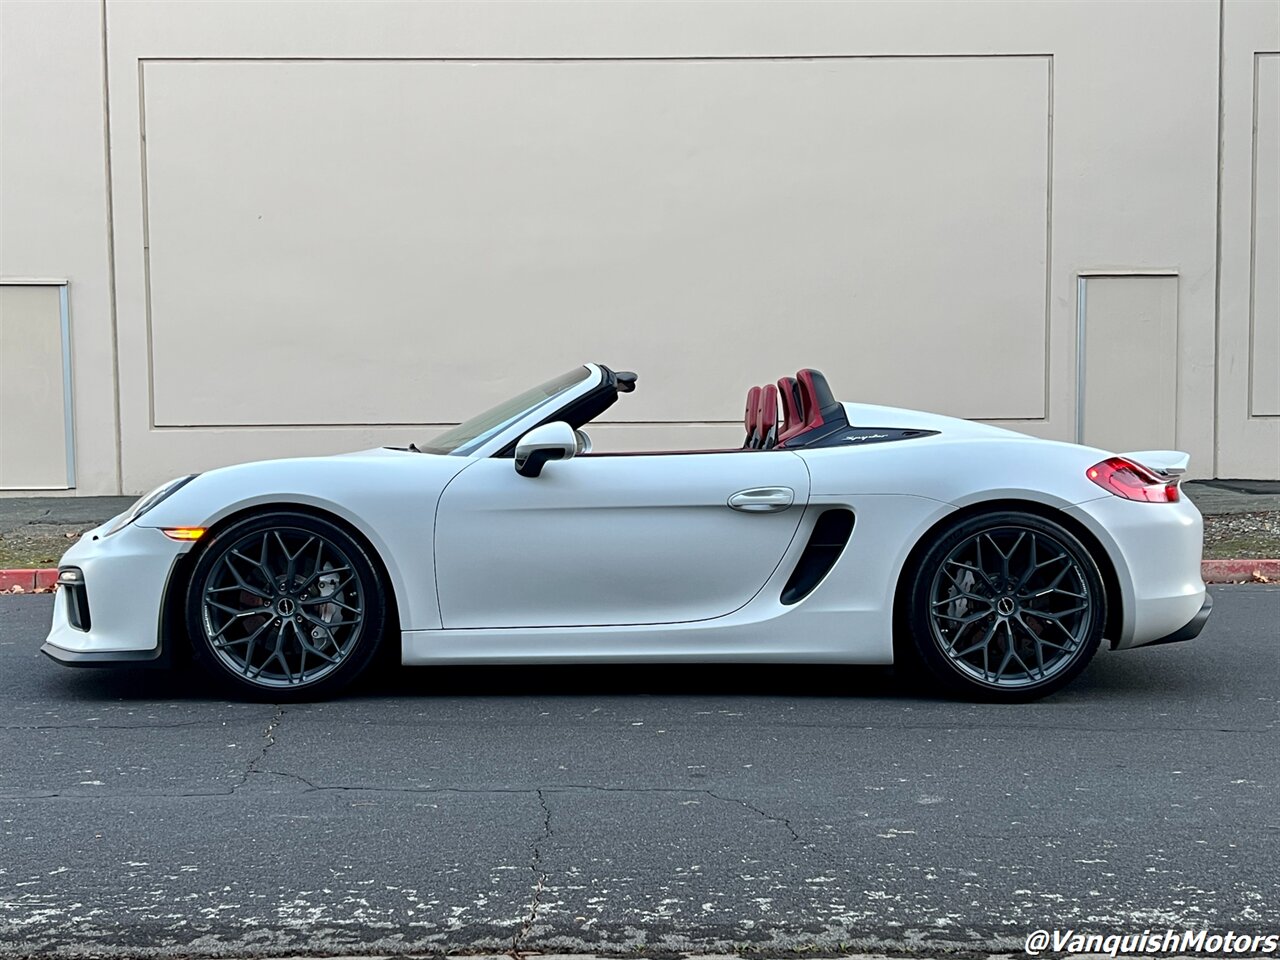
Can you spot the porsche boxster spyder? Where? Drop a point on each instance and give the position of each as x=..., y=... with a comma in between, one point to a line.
x=990, y=562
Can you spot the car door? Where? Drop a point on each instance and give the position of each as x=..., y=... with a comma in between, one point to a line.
x=621, y=539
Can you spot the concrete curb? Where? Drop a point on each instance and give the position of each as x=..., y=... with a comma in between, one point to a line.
x=1213, y=571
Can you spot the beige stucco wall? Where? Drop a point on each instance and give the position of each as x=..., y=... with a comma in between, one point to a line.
x=334, y=225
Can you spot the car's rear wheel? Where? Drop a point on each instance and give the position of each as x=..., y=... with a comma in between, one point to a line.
x=1006, y=606
x=285, y=606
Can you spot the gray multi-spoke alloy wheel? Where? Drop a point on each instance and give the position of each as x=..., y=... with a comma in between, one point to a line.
x=284, y=606
x=1006, y=606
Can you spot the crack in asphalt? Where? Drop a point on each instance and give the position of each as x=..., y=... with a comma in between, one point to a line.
x=541, y=793
x=268, y=741
x=951, y=727
x=540, y=875
x=115, y=726
x=311, y=786
x=754, y=809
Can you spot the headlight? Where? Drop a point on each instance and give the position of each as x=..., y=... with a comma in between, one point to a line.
x=146, y=503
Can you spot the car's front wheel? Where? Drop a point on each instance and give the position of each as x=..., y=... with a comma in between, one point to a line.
x=1006, y=606
x=284, y=606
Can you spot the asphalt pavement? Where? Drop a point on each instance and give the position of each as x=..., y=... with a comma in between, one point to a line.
x=682, y=808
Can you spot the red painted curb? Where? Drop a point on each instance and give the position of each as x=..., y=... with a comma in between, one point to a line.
x=1239, y=571
x=24, y=580
x=28, y=580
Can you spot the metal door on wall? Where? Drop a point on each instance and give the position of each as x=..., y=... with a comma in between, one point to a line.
x=37, y=444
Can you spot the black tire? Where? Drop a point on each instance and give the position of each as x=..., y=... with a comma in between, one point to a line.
x=321, y=600
x=999, y=582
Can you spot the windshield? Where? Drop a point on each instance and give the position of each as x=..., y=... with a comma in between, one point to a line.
x=468, y=437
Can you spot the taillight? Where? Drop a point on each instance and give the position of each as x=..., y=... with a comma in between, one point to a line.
x=1133, y=481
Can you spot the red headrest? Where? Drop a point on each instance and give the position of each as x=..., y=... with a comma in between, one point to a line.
x=768, y=418
x=809, y=398
x=813, y=395
x=789, y=394
x=752, y=418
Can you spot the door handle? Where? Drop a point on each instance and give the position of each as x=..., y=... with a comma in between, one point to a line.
x=763, y=499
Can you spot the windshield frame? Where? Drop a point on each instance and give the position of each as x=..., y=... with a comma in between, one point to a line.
x=492, y=439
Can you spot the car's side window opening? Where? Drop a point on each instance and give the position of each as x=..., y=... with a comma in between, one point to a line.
x=793, y=413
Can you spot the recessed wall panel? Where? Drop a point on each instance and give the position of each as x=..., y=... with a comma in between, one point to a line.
x=1130, y=356
x=1265, y=292
x=366, y=242
x=33, y=422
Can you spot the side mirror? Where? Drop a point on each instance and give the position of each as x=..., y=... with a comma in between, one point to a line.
x=551, y=441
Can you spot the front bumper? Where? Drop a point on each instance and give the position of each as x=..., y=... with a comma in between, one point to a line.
x=124, y=578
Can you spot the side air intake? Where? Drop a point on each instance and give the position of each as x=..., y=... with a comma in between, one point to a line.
x=826, y=543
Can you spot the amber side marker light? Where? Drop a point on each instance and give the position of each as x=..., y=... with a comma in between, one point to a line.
x=184, y=533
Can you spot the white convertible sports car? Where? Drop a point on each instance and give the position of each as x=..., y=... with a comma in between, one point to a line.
x=992, y=562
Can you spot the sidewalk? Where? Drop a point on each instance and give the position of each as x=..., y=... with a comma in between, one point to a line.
x=1241, y=525
x=1221, y=497
x=34, y=531
x=1242, y=522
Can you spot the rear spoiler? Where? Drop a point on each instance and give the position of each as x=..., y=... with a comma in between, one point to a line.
x=1172, y=463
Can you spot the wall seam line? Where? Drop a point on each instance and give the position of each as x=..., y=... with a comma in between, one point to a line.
x=1048, y=263
x=1217, y=257
x=111, y=256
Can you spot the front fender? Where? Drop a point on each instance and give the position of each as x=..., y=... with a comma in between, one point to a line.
x=389, y=500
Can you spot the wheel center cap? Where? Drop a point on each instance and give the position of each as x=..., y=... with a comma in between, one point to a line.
x=285, y=607
x=1005, y=606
